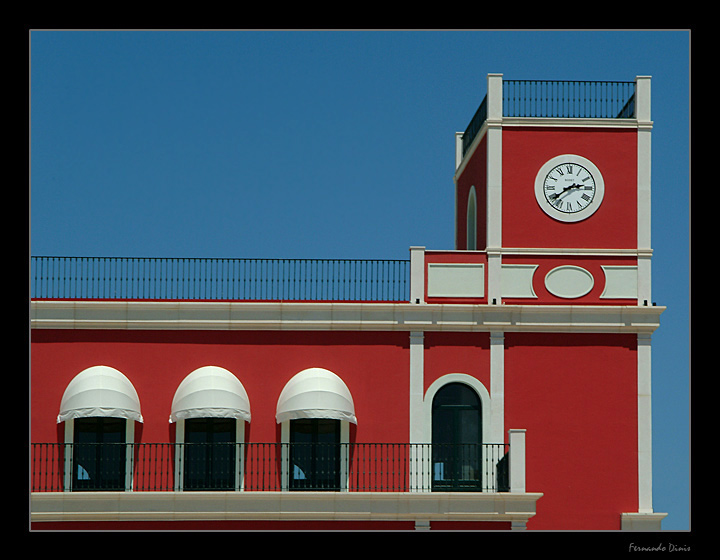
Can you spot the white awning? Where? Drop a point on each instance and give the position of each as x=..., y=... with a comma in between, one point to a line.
x=315, y=393
x=100, y=391
x=210, y=392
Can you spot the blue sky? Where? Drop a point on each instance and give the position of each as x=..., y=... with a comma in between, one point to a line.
x=329, y=144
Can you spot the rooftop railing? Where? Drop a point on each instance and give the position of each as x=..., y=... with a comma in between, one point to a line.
x=219, y=279
x=558, y=99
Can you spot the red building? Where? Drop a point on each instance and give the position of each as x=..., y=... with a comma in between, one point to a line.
x=503, y=384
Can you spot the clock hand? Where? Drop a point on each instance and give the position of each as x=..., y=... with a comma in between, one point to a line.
x=557, y=195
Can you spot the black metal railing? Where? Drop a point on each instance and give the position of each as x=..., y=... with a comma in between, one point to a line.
x=566, y=99
x=476, y=123
x=219, y=279
x=558, y=99
x=356, y=467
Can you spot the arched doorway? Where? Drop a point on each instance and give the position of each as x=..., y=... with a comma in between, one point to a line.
x=456, y=439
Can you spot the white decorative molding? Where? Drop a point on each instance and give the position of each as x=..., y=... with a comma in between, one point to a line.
x=620, y=282
x=455, y=280
x=570, y=122
x=569, y=281
x=283, y=506
x=517, y=280
x=225, y=315
x=568, y=251
x=639, y=522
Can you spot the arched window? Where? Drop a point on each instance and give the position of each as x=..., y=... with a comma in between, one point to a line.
x=315, y=409
x=210, y=407
x=99, y=408
x=456, y=439
x=472, y=221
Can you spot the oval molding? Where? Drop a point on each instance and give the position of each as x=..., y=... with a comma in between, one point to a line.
x=569, y=281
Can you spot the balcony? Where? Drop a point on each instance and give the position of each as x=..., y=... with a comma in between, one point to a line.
x=271, y=467
x=275, y=482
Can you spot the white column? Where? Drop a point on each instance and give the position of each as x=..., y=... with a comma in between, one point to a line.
x=642, y=113
x=69, y=448
x=129, y=449
x=419, y=475
x=497, y=387
x=516, y=438
x=417, y=274
x=494, y=185
x=644, y=424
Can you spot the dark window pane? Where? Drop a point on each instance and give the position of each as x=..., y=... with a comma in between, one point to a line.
x=99, y=454
x=314, y=454
x=210, y=454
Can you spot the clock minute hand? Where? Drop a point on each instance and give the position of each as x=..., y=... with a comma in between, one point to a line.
x=557, y=195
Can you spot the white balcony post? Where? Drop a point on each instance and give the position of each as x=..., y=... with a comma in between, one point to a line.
x=516, y=438
x=417, y=274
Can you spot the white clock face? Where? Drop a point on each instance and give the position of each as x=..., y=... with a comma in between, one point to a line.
x=569, y=188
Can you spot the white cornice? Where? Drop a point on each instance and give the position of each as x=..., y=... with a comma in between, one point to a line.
x=574, y=122
x=284, y=506
x=569, y=251
x=326, y=316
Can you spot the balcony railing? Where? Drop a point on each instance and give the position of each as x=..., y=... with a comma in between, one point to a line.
x=357, y=467
x=219, y=279
x=558, y=99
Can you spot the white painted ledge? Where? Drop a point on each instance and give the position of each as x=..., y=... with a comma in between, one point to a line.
x=642, y=521
x=223, y=315
x=282, y=506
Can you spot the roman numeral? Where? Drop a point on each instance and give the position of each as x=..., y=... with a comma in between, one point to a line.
x=585, y=197
x=569, y=168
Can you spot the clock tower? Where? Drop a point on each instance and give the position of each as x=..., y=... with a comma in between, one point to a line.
x=553, y=183
x=552, y=196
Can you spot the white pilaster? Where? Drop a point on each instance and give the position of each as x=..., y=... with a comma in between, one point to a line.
x=494, y=184
x=642, y=113
x=644, y=424
x=417, y=274
x=516, y=438
x=419, y=478
x=417, y=348
x=497, y=387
